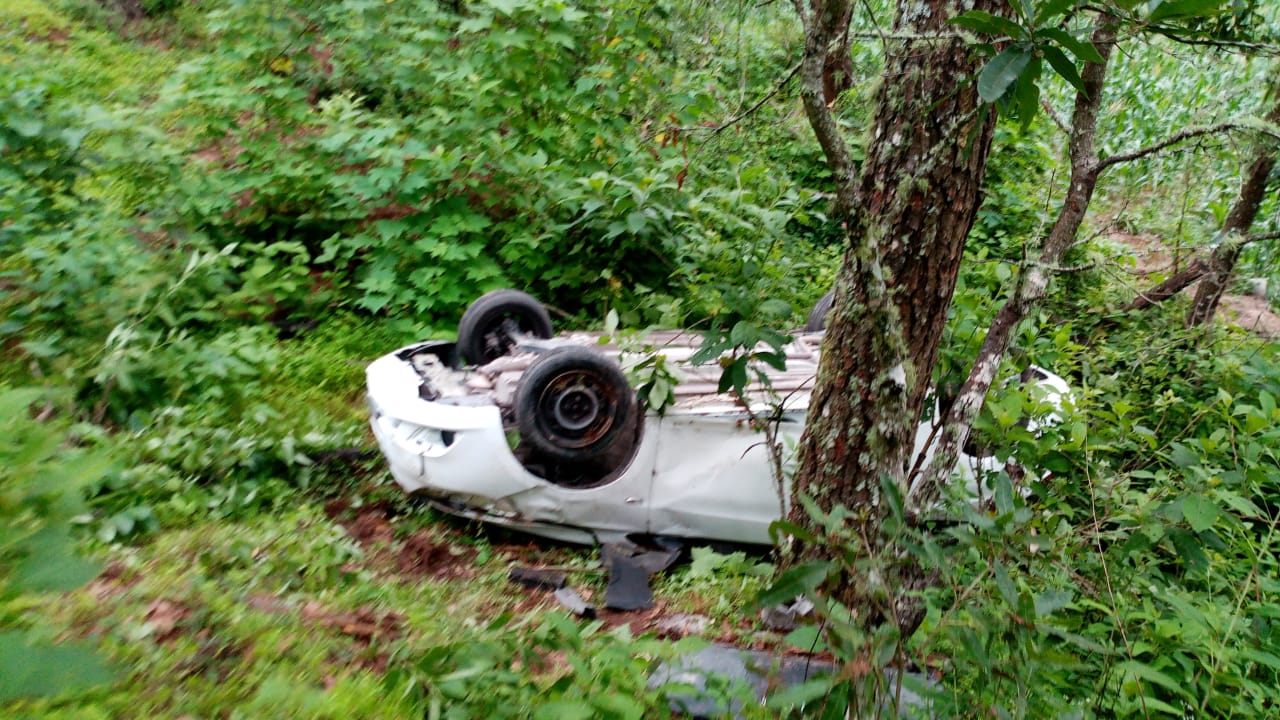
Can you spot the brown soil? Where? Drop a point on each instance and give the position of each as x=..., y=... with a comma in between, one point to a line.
x=363, y=625
x=165, y=617
x=1251, y=313
x=420, y=555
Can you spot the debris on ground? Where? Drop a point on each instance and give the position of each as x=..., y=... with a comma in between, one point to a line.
x=783, y=617
x=628, y=587
x=537, y=578
x=569, y=598
x=681, y=625
x=755, y=673
x=630, y=564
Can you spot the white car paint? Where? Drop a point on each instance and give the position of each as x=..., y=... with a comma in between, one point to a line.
x=699, y=470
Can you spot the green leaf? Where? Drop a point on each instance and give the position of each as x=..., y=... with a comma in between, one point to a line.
x=744, y=334
x=1170, y=9
x=1051, y=9
x=1082, y=49
x=1199, y=512
x=1005, y=584
x=1063, y=66
x=1027, y=93
x=47, y=562
x=1183, y=456
x=39, y=670
x=985, y=22
x=1187, y=545
x=781, y=528
x=800, y=695
x=775, y=308
x=659, y=394
x=565, y=710
x=637, y=221
x=795, y=582
x=1002, y=72
x=1051, y=601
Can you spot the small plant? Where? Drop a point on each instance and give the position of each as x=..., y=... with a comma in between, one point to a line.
x=40, y=484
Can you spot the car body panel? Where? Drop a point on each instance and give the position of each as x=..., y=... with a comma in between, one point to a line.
x=699, y=470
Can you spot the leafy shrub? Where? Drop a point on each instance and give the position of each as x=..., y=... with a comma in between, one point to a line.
x=554, y=668
x=40, y=484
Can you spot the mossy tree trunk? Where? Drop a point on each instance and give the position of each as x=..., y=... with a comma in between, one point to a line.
x=906, y=214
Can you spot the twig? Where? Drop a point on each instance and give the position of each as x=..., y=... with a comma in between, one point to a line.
x=1054, y=116
x=758, y=104
x=1176, y=138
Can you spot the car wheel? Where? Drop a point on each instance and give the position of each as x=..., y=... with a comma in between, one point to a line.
x=573, y=406
x=818, y=316
x=493, y=324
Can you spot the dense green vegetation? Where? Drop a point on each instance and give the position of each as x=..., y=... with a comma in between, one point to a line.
x=213, y=214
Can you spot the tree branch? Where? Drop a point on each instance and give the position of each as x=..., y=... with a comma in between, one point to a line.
x=1188, y=134
x=1033, y=281
x=754, y=107
x=822, y=31
x=1055, y=117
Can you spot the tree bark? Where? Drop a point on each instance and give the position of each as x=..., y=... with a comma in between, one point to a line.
x=1244, y=210
x=1167, y=289
x=906, y=217
x=1033, y=281
x=837, y=68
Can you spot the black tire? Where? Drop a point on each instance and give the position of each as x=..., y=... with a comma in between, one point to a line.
x=818, y=316
x=496, y=320
x=574, y=405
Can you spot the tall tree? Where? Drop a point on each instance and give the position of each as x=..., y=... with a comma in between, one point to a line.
x=906, y=214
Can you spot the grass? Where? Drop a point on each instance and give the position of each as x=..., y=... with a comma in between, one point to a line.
x=290, y=615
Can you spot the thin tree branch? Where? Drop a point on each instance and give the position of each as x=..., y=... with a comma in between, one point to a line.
x=1055, y=117
x=802, y=13
x=1183, y=136
x=795, y=69
x=1256, y=48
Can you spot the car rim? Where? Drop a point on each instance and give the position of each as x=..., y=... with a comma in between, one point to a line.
x=574, y=409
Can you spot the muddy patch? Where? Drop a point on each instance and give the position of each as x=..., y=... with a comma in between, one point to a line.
x=1252, y=313
x=422, y=556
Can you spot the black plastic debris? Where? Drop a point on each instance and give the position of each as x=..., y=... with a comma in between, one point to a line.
x=569, y=598
x=535, y=578
x=628, y=586
x=630, y=564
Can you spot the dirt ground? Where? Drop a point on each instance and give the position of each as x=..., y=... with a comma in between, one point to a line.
x=1152, y=261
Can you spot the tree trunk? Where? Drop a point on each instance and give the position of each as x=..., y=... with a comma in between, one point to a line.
x=837, y=68
x=1033, y=281
x=1217, y=268
x=1167, y=289
x=906, y=218
x=1243, y=211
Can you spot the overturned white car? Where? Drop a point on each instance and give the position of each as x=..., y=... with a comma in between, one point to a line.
x=512, y=426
